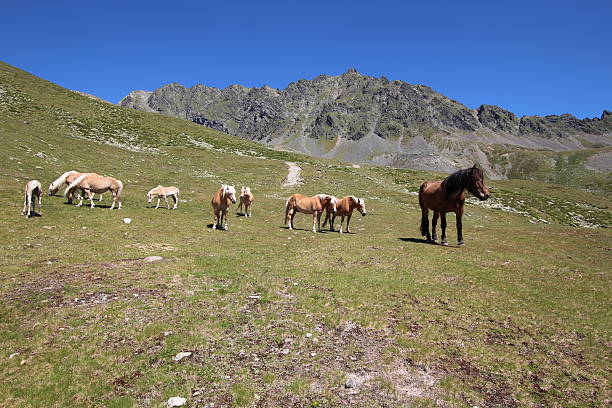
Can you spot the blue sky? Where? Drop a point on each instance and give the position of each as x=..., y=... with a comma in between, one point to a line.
x=530, y=57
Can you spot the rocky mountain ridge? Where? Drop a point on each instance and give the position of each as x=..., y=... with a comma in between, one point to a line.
x=363, y=119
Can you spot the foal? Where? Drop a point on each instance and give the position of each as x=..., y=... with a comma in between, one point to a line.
x=32, y=189
x=164, y=192
x=220, y=202
x=447, y=196
x=246, y=198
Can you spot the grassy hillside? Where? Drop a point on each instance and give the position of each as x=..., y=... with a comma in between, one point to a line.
x=518, y=317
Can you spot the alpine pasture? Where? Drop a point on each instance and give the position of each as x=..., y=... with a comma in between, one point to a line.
x=520, y=316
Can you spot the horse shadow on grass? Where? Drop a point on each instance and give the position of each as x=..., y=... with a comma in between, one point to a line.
x=308, y=230
x=424, y=241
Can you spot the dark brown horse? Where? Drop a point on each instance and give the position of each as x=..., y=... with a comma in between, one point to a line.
x=447, y=196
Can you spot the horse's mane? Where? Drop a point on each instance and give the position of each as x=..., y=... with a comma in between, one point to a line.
x=458, y=181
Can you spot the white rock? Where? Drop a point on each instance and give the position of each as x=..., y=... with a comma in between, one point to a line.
x=153, y=258
x=13, y=355
x=127, y=220
x=176, y=402
x=308, y=334
x=181, y=355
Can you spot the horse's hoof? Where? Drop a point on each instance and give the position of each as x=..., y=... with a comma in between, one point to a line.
x=444, y=243
x=461, y=243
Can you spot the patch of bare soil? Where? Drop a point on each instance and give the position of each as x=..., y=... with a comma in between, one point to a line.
x=293, y=175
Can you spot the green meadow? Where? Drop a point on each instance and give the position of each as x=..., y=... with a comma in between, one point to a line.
x=519, y=317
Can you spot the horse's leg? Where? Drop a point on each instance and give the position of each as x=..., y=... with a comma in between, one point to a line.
x=80, y=197
x=348, y=219
x=100, y=199
x=250, y=210
x=425, y=223
x=332, y=218
x=157, y=206
x=40, y=204
x=434, y=223
x=314, y=221
x=459, y=213
x=216, y=218
x=224, y=217
x=175, y=198
x=291, y=217
x=239, y=209
x=443, y=240
x=167, y=203
x=341, y=222
x=115, y=198
x=25, y=204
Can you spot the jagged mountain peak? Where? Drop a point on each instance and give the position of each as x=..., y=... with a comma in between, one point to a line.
x=361, y=118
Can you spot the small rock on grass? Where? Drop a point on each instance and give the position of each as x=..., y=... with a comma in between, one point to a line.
x=153, y=258
x=181, y=355
x=350, y=382
x=176, y=402
x=127, y=220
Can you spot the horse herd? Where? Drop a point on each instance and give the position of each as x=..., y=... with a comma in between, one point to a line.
x=441, y=197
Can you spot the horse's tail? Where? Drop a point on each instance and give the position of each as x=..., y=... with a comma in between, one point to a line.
x=424, y=221
x=74, y=184
x=287, y=211
x=53, y=187
x=119, y=188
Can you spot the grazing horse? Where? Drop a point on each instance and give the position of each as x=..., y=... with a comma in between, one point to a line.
x=66, y=178
x=90, y=183
x=220, y=203
x=32, y=189
x=448, y=196
x=308, y=205
x=246, y=198
x=344, y=208
x=164, y=192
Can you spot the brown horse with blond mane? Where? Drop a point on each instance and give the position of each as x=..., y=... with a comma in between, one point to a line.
x=344, y=208
x=220, y=202
x=91, y=183
x=308, y=205
x=448, y=196
x=246, y=199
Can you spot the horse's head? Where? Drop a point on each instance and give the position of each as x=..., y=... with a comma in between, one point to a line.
x=476, y=184
x=244, y=190
x=52, y=190
x=328, y=202
x=228, y=192
x=360, y=204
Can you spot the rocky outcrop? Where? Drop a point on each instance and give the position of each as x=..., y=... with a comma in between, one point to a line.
x=360, y=118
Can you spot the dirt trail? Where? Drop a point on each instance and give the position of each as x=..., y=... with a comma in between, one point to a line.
x=293, y=176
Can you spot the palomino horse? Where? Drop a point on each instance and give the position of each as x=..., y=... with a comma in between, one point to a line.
x=447, y=196
x=90, y=183
x=246, y=198
x=344, y=208
x=66, y=178
x=308, y=205
x=164, y=192
x=32, y=189
x=220, y=203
